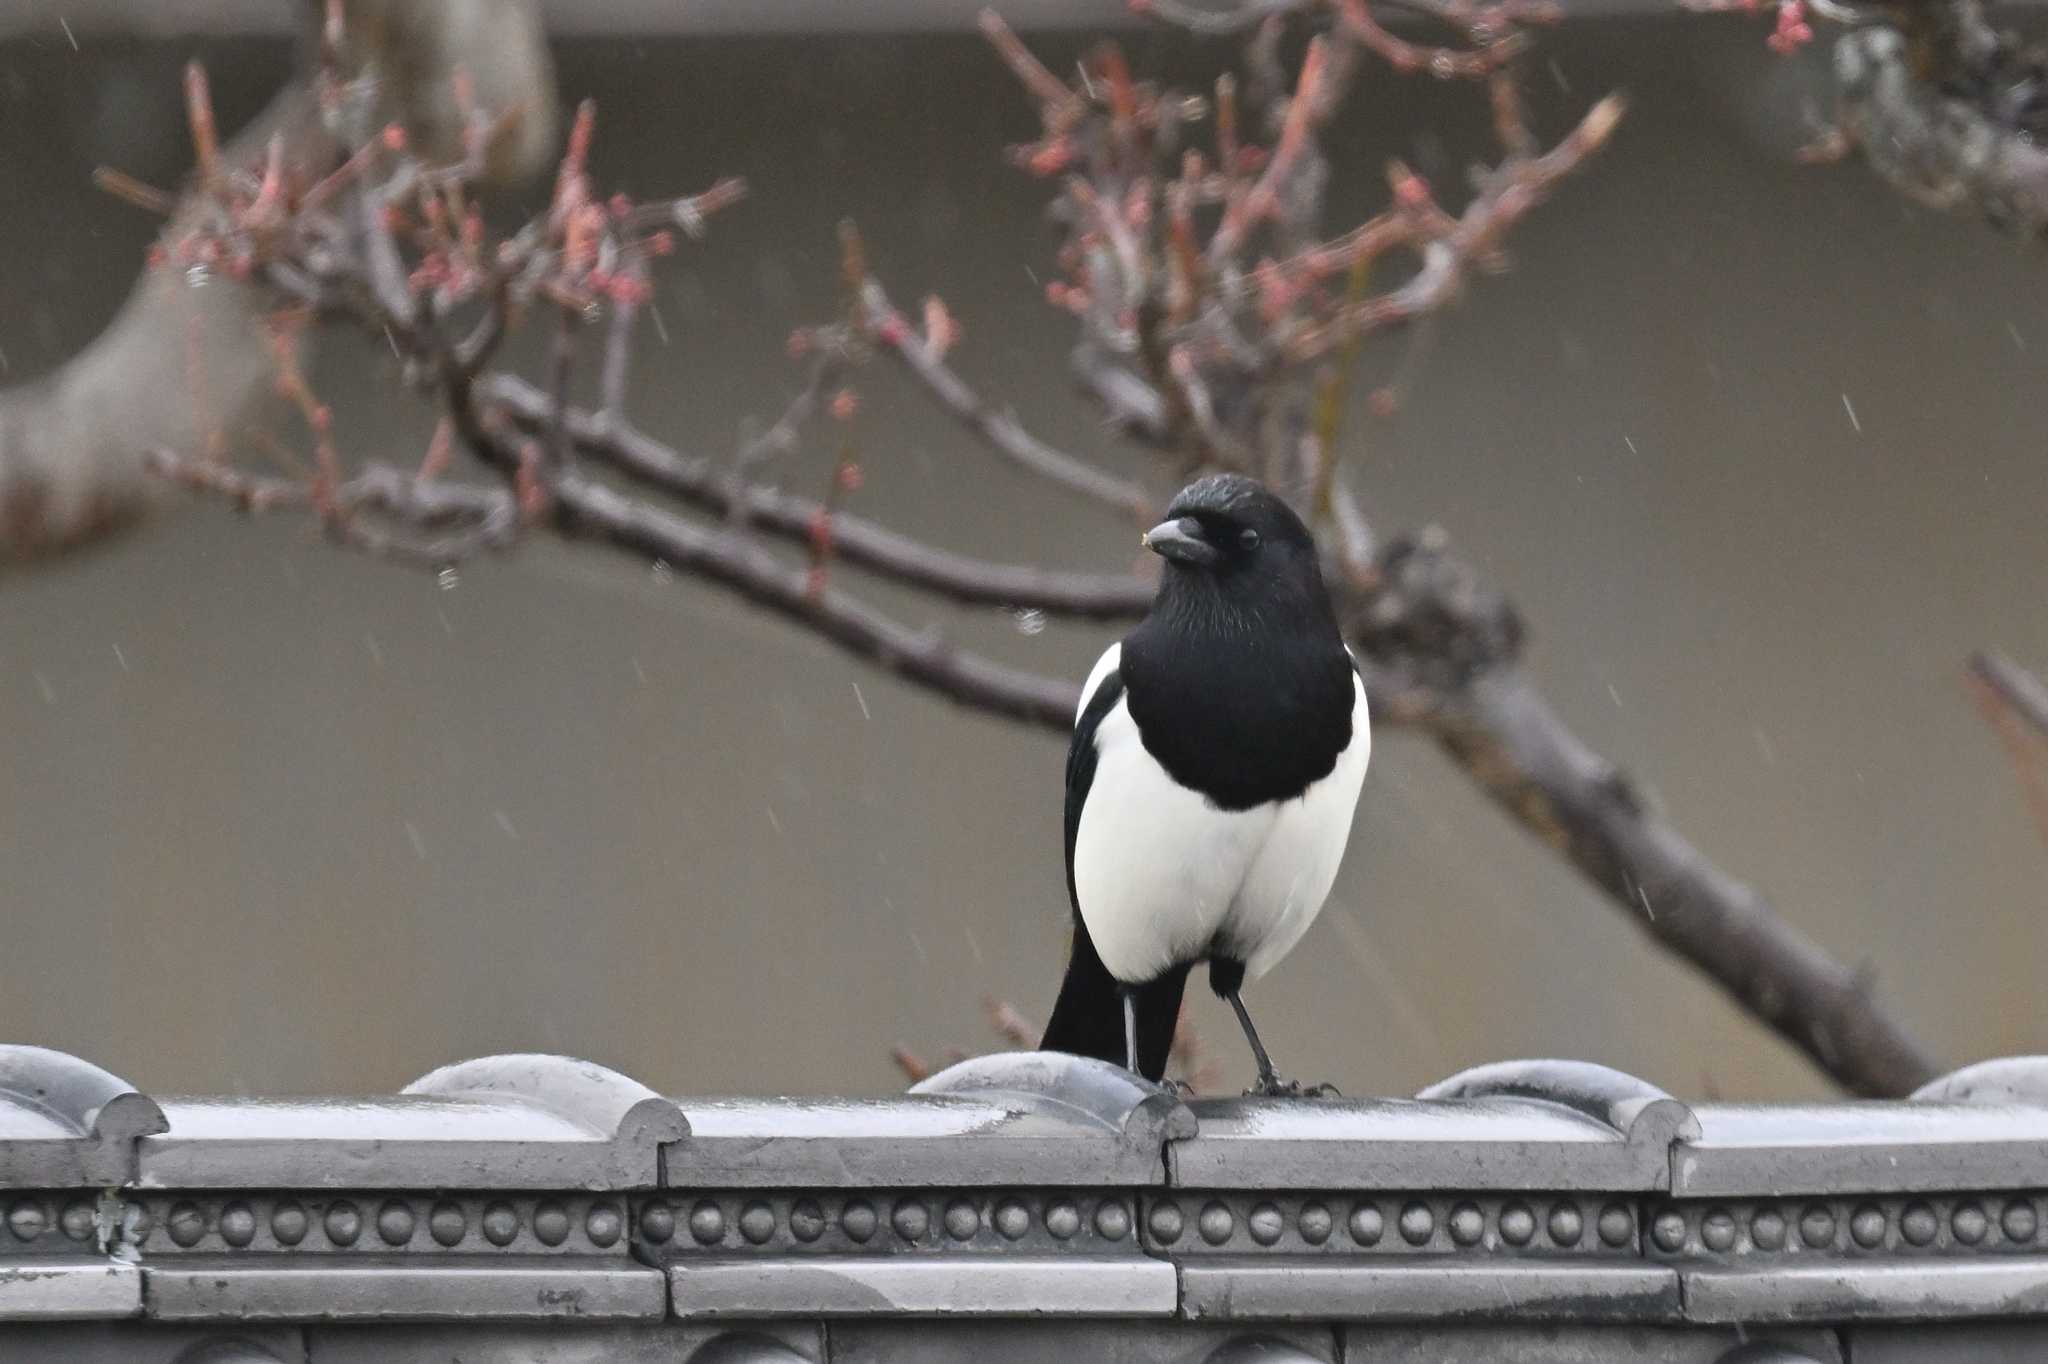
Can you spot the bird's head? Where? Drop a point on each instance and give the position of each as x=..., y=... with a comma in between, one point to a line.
x=1228, y=534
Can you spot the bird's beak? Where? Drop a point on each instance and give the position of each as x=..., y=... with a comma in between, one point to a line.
x=1181, y=541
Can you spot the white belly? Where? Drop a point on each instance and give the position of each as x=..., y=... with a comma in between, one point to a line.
x=1164, y=877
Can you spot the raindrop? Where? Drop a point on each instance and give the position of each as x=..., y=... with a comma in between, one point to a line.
x=504, y=822
x=198, y=276
x=1030, y=621
x=122, y=659
x=661, y=572
x=412, y=836
x=448, y=579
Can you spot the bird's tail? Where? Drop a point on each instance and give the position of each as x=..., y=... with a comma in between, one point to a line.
x=1088, y=1017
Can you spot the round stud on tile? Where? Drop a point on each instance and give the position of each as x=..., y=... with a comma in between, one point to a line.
x=237, y=1225
x=1167, y=1222
x=77, y=1221
x=2019, y=1221
x=1012, y=1219
x=1216, y=1224
x=1817, y=1226
x=1112, y=1220
x=501, y=1224
x=1418, y=1223
x=1315, y=1223
x=186, y=1224
x=289, y=1224
x=1667, y=1229
x=604, y=1224
x=1867, y=1226
x=551, y=1224
x=1063, y=1220
x=1517, y=1224
x=1366, y=1224
x=1617, y=1225
x=395, y=1223
x=1717, y=1230
x=707, y=1223
x=806, y=1221
x=857, y=1219
x=962, y=1220
x=343, y=1223
x=1969, y=1224
x=1919, y=1225
x=757, y=1223
x=1567, y=1224
x=1265, y=1224
x=911, y=1219
x=1767, y=1229
x=1467, y=1224
x=658, y=1222
x=27, y=1218
x=448, y=1224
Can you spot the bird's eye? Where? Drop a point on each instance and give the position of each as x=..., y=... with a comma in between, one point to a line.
x=1248, y=538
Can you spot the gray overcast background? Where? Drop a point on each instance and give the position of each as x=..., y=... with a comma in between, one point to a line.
x=1756, y=447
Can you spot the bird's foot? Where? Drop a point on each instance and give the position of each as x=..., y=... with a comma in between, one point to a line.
x=1273, y=1087
x=1183, y=1088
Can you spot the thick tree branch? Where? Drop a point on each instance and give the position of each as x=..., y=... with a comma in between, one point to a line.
x=1502, y=732
x=1447, y=653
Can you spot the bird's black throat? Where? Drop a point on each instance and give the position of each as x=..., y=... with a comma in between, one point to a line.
x=1244, y=698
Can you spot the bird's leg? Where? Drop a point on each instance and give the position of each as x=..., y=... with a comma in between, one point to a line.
x=1130, y=999
x=1270, y=1084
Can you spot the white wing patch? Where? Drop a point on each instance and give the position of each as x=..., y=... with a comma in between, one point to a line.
x=1163, y=876
x=1104, y=666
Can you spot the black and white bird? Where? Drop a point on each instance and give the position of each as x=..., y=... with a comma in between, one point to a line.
x=1214, y=768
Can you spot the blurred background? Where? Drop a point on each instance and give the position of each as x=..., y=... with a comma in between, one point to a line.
x=1755, y=447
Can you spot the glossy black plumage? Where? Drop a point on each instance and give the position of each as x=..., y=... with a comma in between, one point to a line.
x=1239, y=691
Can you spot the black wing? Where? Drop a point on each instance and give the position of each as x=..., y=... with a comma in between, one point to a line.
x=1081, y=766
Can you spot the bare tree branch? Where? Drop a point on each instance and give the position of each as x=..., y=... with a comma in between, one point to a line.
x=72, y=443
x=698, y=482
x=482, y=518
x=2025, y=693
x=2015, y=703
x=999, y=429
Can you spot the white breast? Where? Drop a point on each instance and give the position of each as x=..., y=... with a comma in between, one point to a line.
x=1163, y=876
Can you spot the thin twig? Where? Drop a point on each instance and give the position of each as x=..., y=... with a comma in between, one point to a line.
x=1000, y=429
x=699, y=482
x=2015, y=686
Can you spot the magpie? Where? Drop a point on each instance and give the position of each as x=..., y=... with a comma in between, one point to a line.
x=1215, y=764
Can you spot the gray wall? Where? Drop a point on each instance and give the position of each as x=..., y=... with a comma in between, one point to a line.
x=275, y=818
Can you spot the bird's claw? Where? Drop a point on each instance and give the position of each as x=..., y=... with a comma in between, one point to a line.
x=1273, y=1087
